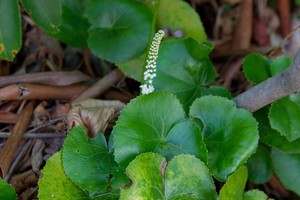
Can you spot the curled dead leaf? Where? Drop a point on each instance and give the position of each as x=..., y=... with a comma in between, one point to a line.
x=94, y=114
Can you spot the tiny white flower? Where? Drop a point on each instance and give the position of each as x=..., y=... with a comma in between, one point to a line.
x=150, y=72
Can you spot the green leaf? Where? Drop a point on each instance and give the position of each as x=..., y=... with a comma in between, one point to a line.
x=259, y=166
x=179, y=15
x=185, y=177
x=45, y=13
x=183, y=67
x=87, y=161
x=10, y=29
x=271, y=137
x=156, y=123
x=255, y=195
x=235, y=185
x=280, y=64
x=256, y=68
x=7, y=191
x=230, y=134
x=134, y=67
x=54, y=184
x=61, y=19
x=286, y=167
x=285, y=116
x=74, y=25
x=120, y=29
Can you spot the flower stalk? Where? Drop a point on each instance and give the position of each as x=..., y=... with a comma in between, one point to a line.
x=150, y=69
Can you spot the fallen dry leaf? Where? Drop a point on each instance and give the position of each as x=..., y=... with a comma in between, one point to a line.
x=23, y=180
x=37, y=155
x=93, y=114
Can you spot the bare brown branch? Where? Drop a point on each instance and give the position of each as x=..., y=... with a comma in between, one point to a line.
x=274, y=88
x=102, y=85
x=47, y=78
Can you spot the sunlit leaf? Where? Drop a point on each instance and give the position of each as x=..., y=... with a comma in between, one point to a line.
x=179, y=15
x=255, y=195
x=184, y=177
x=235, y=185
x=55, y=184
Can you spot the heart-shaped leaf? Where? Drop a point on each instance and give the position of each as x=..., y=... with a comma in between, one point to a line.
x=10, y=29
x=169, y=13
x=87, y=161
x=259, y=166
x=285, y=116
x=120, y=29
x=235, y=185
x=55, y=184
x=183, y=67
x=254, y=63
x=230, y=134
x=156, y=123
x=286, y=167
x=185, y=177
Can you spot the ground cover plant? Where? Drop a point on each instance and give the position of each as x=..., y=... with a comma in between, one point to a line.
x=184, y=135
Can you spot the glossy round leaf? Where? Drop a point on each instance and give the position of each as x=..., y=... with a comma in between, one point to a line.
x=10, y=29
x=185, y=177
x=156, y=123
x=256, y=68
x=235, y=185
x=183, y=67
x=230, y=134
x=179, y=15
x=259, y=166
x=255, y=195
x=286, y=167
x=285, y=116
x=87, y=161
x=120, y=29
x=54, y=184
x=271, y=137
x=280, y=64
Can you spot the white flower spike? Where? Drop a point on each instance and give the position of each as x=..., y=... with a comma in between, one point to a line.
x=150, y=71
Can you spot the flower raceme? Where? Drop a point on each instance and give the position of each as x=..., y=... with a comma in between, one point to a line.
x=150, y=69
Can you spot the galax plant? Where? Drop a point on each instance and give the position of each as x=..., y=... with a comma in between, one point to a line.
x=181, y=133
